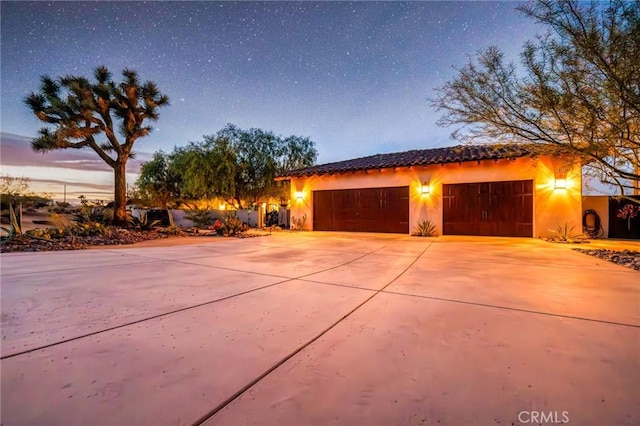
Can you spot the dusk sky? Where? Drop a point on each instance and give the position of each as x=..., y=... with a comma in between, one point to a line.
x=354, y=77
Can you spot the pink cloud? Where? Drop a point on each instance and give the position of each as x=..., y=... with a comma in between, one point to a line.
x=16, y=151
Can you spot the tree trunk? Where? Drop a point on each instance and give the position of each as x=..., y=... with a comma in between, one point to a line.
x=120, y=194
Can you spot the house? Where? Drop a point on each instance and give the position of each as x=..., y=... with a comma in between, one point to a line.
x=490, y=190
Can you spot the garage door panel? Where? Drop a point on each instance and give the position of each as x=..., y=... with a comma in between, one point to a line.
x=362, y=210
x=369, y=212
x=461, y=203
x=489, y=209
x=395, y=202
x=322, y=211
x=344, y=210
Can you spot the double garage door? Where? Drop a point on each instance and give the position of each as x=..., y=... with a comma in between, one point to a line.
x=362, y=210
x=489, y=208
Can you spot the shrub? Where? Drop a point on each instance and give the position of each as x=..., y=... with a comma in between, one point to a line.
x=297, y=224
x=231, y=225
x=142, y=222
x=95, y=212
x=563, y=234
x=200, y=217
x=425, y=228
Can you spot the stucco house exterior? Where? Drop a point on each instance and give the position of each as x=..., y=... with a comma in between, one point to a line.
x=490, y=190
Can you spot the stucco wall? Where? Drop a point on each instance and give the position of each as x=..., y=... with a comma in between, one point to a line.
x=551, y=206
x=599, y=203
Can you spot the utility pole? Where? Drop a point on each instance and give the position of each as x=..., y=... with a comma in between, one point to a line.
x=65, y=193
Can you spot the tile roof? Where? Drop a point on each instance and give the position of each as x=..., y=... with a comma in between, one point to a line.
x=418, y=157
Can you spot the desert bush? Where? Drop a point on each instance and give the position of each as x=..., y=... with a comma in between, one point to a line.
x=199, y=216
x=231, y=225
x=93, y=212
x=564, y=234
x=298, y=224
x=425, y=228
x=142, y=222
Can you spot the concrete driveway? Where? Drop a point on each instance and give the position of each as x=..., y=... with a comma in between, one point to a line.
x=320, y=328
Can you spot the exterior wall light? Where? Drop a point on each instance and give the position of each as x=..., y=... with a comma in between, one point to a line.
x=425, y=189
x=222, y=206
x=299, y=195
x=560, y=183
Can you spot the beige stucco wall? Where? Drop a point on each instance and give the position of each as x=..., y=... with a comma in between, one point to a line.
x=551, y=206
x=599, y=203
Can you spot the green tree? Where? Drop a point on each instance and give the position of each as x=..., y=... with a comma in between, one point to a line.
x=578, y=88
x=159, y=182
x=239, y=165
x=105, y=116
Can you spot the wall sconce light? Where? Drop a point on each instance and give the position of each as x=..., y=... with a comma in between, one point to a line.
x=425, y=189
x=299, y=195
x=560, y=183
x=222, y=206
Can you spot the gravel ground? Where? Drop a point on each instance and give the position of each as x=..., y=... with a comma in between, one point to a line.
x=628, y=258
x=122, y=236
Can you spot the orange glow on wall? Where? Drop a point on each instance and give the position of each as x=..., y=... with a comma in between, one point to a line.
x=551, y=206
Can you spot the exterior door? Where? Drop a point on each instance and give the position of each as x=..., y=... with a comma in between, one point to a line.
x=362, y=210
x=489, y=209
x=623, y=221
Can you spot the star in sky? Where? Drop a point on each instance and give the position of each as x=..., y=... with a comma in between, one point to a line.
x=354, y=77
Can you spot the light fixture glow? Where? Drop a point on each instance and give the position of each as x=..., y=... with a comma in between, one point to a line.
x=425, y=189
x=299, y=195
x=222, y=206
x=561, y=184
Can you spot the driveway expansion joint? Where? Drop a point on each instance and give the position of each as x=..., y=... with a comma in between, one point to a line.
x=270, y=370
x=508, y=308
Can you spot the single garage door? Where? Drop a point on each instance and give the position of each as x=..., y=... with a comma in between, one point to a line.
x=362, y=210
x=489, y=208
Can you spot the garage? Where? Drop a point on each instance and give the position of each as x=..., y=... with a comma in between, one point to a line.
x=503, y=209
x=483, y=190
x=362, y=210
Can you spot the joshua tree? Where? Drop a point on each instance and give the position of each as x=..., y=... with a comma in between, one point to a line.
x=105, y=116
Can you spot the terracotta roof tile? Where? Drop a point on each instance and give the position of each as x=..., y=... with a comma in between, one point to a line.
x=418, y=157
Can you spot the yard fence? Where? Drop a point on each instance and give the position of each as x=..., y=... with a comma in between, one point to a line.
x=254, y=218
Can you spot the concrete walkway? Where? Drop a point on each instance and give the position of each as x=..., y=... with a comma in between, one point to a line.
x=320, y=328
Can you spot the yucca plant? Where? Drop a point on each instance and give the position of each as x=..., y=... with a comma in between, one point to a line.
x=142, y=222
x=425, y=228
x=298, y=223
x=564, y=234
x=15, y=222
x=93, y=213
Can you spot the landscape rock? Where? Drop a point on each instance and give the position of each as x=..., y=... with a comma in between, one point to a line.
x=118, y=237
x=628, y=258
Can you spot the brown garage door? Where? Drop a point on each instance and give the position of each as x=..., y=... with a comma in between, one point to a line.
x=489, y=208
x=362, y=210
